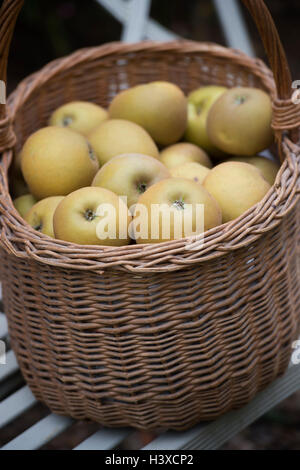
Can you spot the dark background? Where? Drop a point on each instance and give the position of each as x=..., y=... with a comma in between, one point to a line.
x=50, y=29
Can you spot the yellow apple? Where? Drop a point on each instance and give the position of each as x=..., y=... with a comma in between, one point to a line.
x=130, y=175
x=40, y=216
x=239, y=122
x=237, y=187
x=184, y=152
x=24, y=203
x=200, y=102
x=117, y=136
x=92, y=216
x=159, y=107
x=80, y=116
x=168, y=210
x=269, y=168
x=56, y=161
x=192, y=171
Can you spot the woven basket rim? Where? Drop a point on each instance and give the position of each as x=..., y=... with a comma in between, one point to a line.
x=23, y=241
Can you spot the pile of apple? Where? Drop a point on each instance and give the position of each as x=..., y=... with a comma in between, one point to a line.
x=153, y=146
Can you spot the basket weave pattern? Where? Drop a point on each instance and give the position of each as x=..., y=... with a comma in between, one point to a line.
x=152, y=336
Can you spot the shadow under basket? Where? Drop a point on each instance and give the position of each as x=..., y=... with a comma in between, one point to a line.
x=159, y=335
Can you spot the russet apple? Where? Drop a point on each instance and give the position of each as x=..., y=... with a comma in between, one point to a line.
x=269, y=168
x=168, y=210
x=56, y=161
x=24, y=203
x=40, y=216
x=117, y=136
x=239, y=122
x=237, y=187
x=92, y=216
x=184, y=152
x=159, y=107
x=200, y=102
x=81, y=116
x=130, y=175
x=192, y=171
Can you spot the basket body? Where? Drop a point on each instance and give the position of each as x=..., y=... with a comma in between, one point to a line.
x=163, y=348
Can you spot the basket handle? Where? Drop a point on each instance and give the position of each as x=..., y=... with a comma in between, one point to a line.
x=286, y=114
x=8, y=16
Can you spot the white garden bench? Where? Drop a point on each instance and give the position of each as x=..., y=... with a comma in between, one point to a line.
x=134, y=15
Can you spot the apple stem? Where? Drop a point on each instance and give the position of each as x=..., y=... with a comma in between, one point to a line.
x=240, y=99
x=89, y=215
x=67, y=121
x=142, y=187
x=179, y=204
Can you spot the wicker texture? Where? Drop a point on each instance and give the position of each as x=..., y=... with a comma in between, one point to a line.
x=161, y=335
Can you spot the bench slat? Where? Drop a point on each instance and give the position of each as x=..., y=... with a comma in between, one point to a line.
x=39, y=434
x=10, y=367
x=105, y=439
x=3, y=326
x=15, y=405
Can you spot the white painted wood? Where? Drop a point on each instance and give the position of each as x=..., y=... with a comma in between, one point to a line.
x=121, y=9
x=10, y=367
x=15, y=405
x=134, y=27
x=3, y=326
x=217, y=433
x=39, y=434
x=105, y=439
x=157, y=32
x=233, y=25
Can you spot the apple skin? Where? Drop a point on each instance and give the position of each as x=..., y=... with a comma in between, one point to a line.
x=239, y=122
x=56, y=161
x=117, y=136
x=200, y=102
x=76, y=219
x=40, y=216
x=80, y=116
x=184, y=152
x=24, y=203
x=268, y=168
x=130, y=175
x=192, y=171
x=159, y=107
x=237, y=187
x=173, y=192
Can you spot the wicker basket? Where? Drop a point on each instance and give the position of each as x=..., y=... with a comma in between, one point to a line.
x=155, y=335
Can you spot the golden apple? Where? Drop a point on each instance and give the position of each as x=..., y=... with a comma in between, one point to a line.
x=184, y=152
x=199, y=103
x=117, y=136
x=130, y=175
x=192, y=171
x=24, y=203
x=237, y=187
x=92, y=216
x=269, y=168
x=40, y=216
x=80, y=116
x=239, y=122
x=56, y=161
x=159, y=107
x=174, y=208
